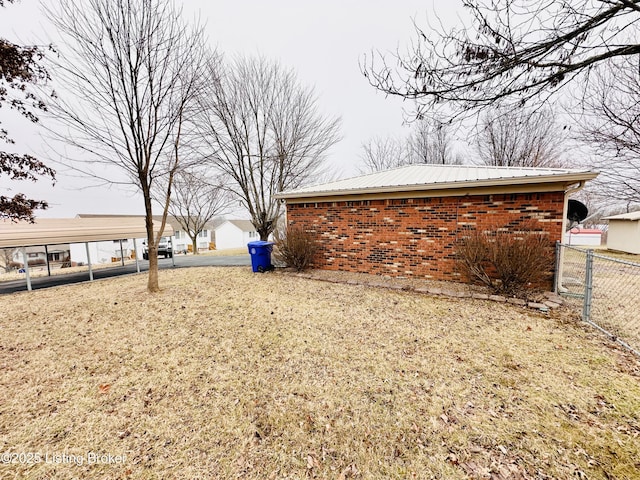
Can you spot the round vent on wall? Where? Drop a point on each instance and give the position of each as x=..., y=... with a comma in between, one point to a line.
x=576, y=211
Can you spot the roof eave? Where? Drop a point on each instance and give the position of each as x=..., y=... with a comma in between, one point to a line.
x=566, y=179
x=621, y=219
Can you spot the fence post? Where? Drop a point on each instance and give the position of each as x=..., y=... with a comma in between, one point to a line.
x=588, y=286
x=556, y=273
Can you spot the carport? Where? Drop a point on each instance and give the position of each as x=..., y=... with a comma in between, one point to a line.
x=53, y=231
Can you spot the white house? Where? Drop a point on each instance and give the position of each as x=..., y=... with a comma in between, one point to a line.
x=235, y=234
x=38, y=255
x=182, y=241
x=624, y=232
x=105, y=251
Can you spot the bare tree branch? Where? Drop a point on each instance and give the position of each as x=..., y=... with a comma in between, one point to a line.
x=431, y=142
x=6, y=259
x=428, y=142
x=383, y=154
x=516, y=50
x=196, y=200
x=265, y=131
x=520, y=139
x=610, y=124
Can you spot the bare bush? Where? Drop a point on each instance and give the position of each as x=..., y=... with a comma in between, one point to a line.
x=296, y=247
x=508, y=262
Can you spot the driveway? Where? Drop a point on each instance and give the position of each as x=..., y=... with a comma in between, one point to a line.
x=181, y=261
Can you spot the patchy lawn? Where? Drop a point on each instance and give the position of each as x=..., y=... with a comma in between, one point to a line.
x=227, y=374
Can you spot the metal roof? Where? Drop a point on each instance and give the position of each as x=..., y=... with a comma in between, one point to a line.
x=171, y=219
x=432, y=177
x=625, y=216
x=49, y=231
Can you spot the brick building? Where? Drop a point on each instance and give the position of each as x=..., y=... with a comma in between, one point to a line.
x=405, y=221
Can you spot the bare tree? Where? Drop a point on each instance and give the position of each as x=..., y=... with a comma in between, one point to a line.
x=264, y=130
x=430, y=142
x=520, y=139
x=610, y=124
x=20, y=69
x=196, y=200
x=382, y=154
x=6, y=259
x=130, y=72
x=515, y=51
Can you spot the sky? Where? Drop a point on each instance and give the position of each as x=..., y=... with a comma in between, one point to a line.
x=323, y=42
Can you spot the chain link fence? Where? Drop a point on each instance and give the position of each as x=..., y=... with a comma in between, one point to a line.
x=606, y=289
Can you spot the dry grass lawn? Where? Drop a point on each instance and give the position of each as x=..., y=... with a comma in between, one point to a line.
x=226, y=252
x=227, y=374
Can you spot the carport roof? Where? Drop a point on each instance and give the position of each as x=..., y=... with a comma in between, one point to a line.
x=48, y=231
x=440, y=177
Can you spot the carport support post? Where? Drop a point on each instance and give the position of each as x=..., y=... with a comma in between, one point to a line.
x=26, y=267
x=89, y=262
x=46, y=256
x=121, y=253
x=135, y=249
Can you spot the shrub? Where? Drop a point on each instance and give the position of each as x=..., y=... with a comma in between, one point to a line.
x=508, y=262
x=295, y=247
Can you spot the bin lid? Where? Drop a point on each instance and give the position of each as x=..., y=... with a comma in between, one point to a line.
x=260, y=243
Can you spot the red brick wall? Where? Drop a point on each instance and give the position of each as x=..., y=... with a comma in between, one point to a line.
x=416, y=237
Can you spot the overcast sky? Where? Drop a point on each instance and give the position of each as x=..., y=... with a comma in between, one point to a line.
x=322, y=41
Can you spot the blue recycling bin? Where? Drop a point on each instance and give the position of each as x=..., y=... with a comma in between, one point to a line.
x=260, y=252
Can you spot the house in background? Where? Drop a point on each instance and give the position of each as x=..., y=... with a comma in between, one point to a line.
x=182, y=242
x=624, y=232
x=57, y=254
x=235, y=234
x=206, y=238
x=106, y=251
x=407, y=221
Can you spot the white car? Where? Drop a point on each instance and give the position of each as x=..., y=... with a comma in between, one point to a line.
x=165, y=248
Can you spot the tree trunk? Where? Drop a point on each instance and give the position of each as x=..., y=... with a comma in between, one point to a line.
x=194, y=243
x=152, y=282
x=264, y=234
